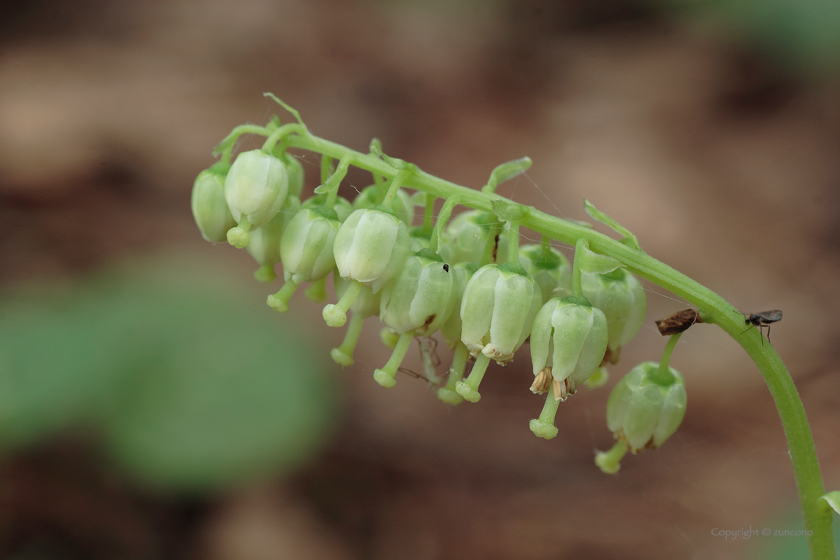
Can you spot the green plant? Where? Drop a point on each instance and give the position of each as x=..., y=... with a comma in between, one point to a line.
x=187, y=384
x=498, y=302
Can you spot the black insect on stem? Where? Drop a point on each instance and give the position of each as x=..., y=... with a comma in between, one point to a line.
x=763, y=319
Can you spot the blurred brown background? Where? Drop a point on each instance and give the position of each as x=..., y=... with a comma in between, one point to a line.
x=711, y=132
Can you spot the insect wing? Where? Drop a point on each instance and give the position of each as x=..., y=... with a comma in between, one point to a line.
x=766, y=317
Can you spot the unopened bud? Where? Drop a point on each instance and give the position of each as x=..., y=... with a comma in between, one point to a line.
x=401, y=204
x=256, y=187
x=465, y=238
x=644, y=410
x=371, y=247
x=209, y=207
x=294, y=169
x=622, y=299
x=497, y=311
x=451, y=329
x=568, y=341
x=306, y=248
x=264, y=243
x=419, y=297
x=549, y=268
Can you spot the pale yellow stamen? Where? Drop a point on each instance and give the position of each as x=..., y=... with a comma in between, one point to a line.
x=542, y=381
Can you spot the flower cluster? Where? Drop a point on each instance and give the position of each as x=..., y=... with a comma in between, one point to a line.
x=468, y=279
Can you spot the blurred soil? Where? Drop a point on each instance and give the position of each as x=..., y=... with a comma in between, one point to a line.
x=724, y=167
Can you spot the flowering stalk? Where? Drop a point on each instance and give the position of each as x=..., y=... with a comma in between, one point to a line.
x=645, y=408
x=712, y=308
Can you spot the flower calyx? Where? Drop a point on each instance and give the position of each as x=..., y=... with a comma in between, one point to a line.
x=644, y=409
x=568, y=342
x=419, y=298
x=622, y=299
x=255, y=189
x=497, y=311
x=209, y=207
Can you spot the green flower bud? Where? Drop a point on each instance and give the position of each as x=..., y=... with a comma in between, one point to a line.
x=644, y=410
x=466, y=237
x=497, y=311
x=419, y=297
x=568, y=341
x=371, y=247
x=306, y=248
x=294, y=169
x=622, y=299
x=417, y=241
x=598, y=378
x=256, y=187
x=209, y=208
x=549, y=269
x=366, y=198
x=342, y=206
x=451, y=329
x=401, y=204
x=264, y=243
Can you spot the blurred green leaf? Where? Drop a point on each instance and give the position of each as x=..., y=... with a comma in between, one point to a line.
x=57, y=359
x=192, y=385
x=799, y=33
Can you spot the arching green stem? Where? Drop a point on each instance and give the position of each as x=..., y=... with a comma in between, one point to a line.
x=709, y=304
